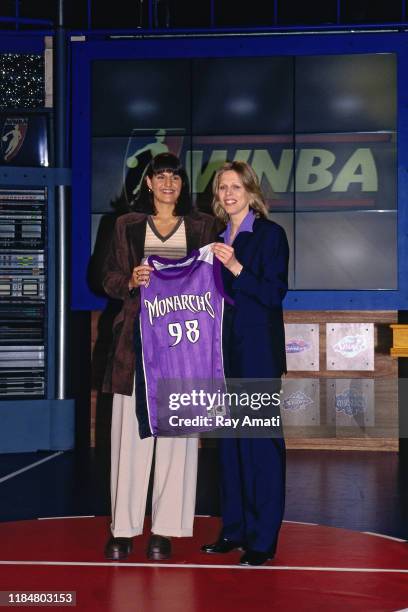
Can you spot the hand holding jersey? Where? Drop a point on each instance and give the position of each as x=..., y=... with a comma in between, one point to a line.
x=140, y=276
x=226, y=255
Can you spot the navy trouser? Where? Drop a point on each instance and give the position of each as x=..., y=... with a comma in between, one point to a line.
x=252, y=490
x=252, y=470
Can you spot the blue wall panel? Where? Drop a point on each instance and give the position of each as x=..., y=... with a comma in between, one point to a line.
x=28, y=426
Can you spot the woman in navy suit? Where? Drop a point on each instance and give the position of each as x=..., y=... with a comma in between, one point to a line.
x=254, y=253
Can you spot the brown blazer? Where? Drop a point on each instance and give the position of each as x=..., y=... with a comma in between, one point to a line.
x=126, y=252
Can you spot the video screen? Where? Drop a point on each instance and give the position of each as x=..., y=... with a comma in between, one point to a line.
x=320, y=132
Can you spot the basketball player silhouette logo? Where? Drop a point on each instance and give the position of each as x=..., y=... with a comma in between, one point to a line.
x=13, y=136
x=136, y=163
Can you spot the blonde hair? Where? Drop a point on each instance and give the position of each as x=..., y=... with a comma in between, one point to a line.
x=251, y=184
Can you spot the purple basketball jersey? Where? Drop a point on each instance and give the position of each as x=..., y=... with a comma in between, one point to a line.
x=181, y=332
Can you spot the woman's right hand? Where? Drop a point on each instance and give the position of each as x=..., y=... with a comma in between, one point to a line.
x=140, y=276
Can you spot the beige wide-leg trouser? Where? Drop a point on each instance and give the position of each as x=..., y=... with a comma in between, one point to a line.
x=175, y=477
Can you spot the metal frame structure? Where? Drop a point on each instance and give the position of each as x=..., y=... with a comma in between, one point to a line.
x=338, y=8
x=29, y=425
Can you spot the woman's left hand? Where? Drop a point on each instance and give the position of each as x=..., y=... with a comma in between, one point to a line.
x=225, y=253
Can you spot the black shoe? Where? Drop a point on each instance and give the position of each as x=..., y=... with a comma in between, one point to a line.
x=255, y=557
x=159, y=548
x=118, y=548
x=222, y=545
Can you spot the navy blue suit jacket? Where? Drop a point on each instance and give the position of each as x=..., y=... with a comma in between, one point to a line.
x=257, y=339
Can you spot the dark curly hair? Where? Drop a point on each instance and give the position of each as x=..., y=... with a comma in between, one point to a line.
x=164, y=162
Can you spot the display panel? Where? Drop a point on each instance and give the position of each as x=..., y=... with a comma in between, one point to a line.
x=346, y=93
x=24, y=139
x=320, y=131
x=246, y=95
x=118, y=164
x=22, y=80
x=345, y=171
x=346, y=250
x=140, y=94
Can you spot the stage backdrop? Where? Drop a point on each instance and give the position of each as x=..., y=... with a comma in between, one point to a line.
x=320, y=132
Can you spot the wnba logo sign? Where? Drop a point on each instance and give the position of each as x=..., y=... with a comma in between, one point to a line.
x=297, y=345
x=297, y=401
x=350, y=403
x=13, y=136
x=350, y=346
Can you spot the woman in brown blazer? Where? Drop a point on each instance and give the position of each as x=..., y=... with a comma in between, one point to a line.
x=166, y=225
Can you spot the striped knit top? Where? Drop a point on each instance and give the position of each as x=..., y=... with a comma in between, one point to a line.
x=173, y=246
